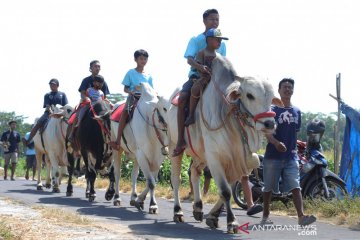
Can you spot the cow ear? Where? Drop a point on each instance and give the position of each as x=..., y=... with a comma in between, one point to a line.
x=277, y=102
x=240, y=79
x=233, y=96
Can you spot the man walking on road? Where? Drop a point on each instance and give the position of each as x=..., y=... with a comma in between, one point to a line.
x=10, y=140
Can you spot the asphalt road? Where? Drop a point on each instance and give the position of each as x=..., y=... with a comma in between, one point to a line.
x=148, y=226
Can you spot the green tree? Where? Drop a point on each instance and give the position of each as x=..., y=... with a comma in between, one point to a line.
x=115, y=97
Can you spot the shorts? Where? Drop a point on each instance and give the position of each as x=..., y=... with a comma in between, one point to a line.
x=288, y=170
x=30, y=161
x=43, y=119
x=130, y=101
x=10, y=157
x=189, y=83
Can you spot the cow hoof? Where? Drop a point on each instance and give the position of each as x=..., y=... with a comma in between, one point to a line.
x=165, y=151
x=39, y=187
x=199, y=216
x=91, y=198
x=153, y=210
x=117, y=203
x=56, y=190
x=69, y=194
x=139, y=205
x=212, y=222
x=132, y=202
x=109, y=196
x=179, y=218
x=48, y=185
x=232, y=228
x=87, y=194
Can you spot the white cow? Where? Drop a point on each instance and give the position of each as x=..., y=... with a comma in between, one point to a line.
x=230, y=119
x=146, y=141
x=51, y=143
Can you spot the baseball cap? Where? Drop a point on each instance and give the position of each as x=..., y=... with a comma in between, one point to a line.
x=215, y=32
x=54, y=81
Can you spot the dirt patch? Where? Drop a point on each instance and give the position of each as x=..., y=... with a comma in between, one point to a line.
x=23, y=222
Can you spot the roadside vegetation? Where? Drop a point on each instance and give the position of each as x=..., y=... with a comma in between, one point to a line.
x=345, y=212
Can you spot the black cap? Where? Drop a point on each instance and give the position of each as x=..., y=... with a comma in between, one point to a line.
x=12, y=121
x=54, y=81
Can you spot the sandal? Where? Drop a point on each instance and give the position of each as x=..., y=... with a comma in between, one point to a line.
x=307, y=220
x=266, y=221
x=254, y=210
x=178, y=151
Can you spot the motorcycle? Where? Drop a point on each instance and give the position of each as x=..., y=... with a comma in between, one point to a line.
x=316, y=180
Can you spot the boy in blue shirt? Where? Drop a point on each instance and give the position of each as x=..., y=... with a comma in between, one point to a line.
x=132, y=86
x=195, y=45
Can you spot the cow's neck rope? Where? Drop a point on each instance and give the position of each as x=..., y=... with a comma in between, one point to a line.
x=233, y=108
x=61, y=126
x=105, y=131
x=241, y=116
x=160, y=120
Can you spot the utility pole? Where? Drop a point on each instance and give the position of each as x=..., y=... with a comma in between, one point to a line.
x=337, y=128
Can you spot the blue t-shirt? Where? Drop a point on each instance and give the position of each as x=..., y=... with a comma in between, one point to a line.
x=88, y=82
x=288, y=122
x=133, y=79
x=195, y=45
x=13, y=137
x=30, y=148
x=53, y=98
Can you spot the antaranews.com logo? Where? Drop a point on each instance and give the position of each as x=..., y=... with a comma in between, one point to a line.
x=309, y=230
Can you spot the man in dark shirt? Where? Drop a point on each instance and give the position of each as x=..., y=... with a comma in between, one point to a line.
x=281, y=160
x=52, y=98
x=86, y=83
x=10, y=140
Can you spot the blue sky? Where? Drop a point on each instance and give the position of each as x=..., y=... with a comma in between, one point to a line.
x=310, y=41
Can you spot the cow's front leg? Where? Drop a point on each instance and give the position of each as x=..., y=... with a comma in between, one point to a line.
x=109, y=194
x=55, y=176
x=48, y=172
x=139, y=201
x=225, y=196
x=69, y=189
x=212, y=220
x=175, y=181
x=134, y=176
x=38, y=169
x=117, y=173
x=92, y=193
x=198, y=204
x=232, y=224
x=153, y=208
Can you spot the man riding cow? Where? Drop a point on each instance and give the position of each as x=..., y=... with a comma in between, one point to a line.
x=52, y=98
x=87, y=83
